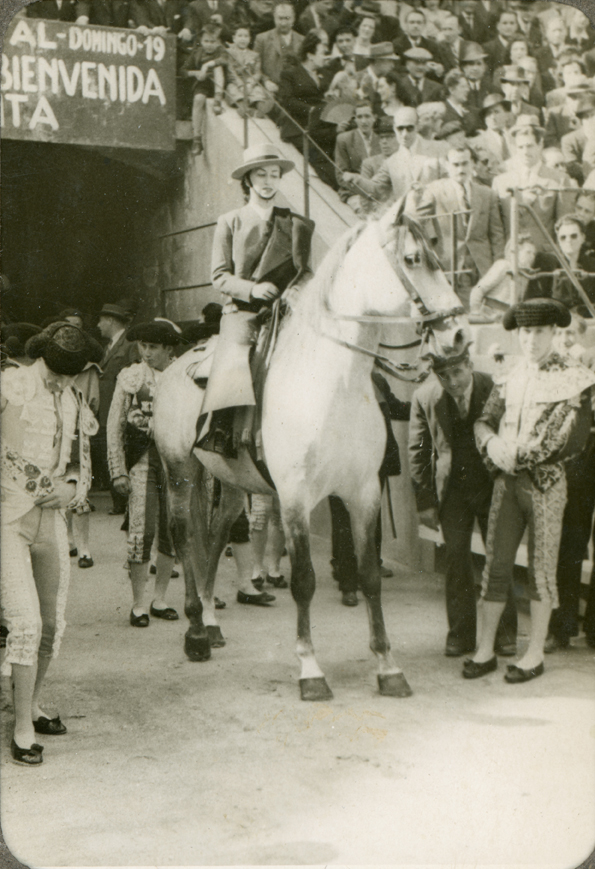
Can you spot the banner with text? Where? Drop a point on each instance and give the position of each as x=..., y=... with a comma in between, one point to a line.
x=74, y=85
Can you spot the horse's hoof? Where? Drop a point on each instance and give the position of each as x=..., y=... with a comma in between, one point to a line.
x=216, y=638
x=315, y=689
x=394, y=685
x=197, y=648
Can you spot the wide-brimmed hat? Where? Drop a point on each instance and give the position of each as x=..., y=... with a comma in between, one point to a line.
x=442, y=355
x=157, y=331
x=493, y=100
x=537, y=312
x=524, y=123
x=382, y=51
x=449, y=129
x=421, y=55
x=260, y=155
x=117, y=311
x=65, y=348
x=586, y=104
x=368, y=9
x=514, y=75
x=471, y=51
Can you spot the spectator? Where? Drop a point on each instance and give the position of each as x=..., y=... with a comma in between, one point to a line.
x=526, y=449
x=476, y=73
x=562, y=119
x=382, y=61
x=451, y=45
x=279, y=46
x=414, y=164
x=495, y=114
x=473, y=21
x=430, y=119
x=498, y=49
x=387, y=143
x=535, y=97
x=527, y=22
x=206, y=64
x=53, y=10
x=585, y=209
x=354, y=146
x=318, y=16
x=136, y=469
x=479, y=228
x=106, y=13
x=499, y=289
x=159, y=16
x=257, y=15
x=119, y=353
x=515, y=85
x=538, y=186
x=518, y=51
x=435, y=16
x=343, y=54
x=416, y=87
x=578, y=146
x=392, y=93
x=202, y=12
x=580, y=30
x=555, y=46
x=247, y=89
x=302, y=95
x=414, y=25
x=456, y=86
x=366, y=29
x=452, y=487
x=572, y=74
x=452, y=134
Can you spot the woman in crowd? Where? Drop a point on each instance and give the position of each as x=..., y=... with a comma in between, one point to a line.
x=136, y=469
x=246, y=86
x=391, y=93
x=46, y=425
x=365, y=34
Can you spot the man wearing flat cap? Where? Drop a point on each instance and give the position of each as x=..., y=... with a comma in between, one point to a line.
x=452, y=486
x=416, y=87
x=259, y=252
x=538, y=415
x=46, y=468
x=119, y=352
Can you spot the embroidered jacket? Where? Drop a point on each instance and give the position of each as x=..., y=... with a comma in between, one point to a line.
x=132, y=405
x=545, y=411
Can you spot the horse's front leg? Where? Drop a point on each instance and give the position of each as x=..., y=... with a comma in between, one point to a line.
x=189, y=531
x=364, y=516
x=313, y=685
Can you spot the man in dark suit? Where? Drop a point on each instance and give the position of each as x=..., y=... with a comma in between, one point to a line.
x=473, y=64
x=318, y=16
x=451, y=45
x=106, y=13
x=416, y=87
x=354, y=146
x=199, y=13
x=113, y=320
x=163, y=15
x=344, y=559
x=256, y=15
x=498, y=49
x=53, y=10
x=280, y=44
x=473, y=21
x=414, y=24
x=456, y=86
x=452, y=486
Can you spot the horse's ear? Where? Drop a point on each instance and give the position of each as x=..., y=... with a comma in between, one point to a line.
x=400, y=210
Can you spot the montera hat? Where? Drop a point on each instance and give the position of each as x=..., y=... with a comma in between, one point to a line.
x=65, y=348
x=442, y=355
x=260, y=155
x=537, y=312
x=157, y=331
x=493, y=100
x=117, y=311
x=421, y=55
x=472, y=51
x=514, y=75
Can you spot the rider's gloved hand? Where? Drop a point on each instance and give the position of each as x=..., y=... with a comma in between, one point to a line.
x=266, y=291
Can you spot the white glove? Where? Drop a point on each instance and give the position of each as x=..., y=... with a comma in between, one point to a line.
x=502, y=454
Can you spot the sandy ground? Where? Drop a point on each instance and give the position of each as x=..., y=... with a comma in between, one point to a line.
x=168, y=762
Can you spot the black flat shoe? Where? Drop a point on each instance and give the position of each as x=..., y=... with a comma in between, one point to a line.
x=219, y=604
x=457, y=650
x=139, y=621
x=472, y=670
x=258, y=583
x=262, y=599
x=516, y=675
x=28, y=756
x=153, y=570
x=277, y=581
x=49, y=726
x=85, y=561
x=73, y=552
x=169, y=613
x=349, y=598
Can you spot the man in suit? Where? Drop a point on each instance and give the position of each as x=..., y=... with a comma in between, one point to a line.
x=119, y=352
x=354, y=146
x=256, y=15
x=106, y=13
x=498, y=49
x=343, y=53
x=480, y=236
x=538, y=185
x=414, y=24
x=562, y=119
x=202, y=12
x=278, y=45
x=318, y=16
x=415, y=163
x=456, y=86
x=451, y=45
x=516, y=88
x=473, y=64
x=160, y=16
x=578, y=146
x=387, y=142
x=494, y=116
x=415, y=86
x=452, y=486
x=53, y=10
x=473, y=21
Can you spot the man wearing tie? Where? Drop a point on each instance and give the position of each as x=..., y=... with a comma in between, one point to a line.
x=480, y=235
x=452, y=487
x=119, y=352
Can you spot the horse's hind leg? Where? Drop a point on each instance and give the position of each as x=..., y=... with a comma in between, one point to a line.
x=313, y=685
x=364, y=515
x=189, y=532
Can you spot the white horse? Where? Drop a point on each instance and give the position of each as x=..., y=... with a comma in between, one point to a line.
x=323, y=431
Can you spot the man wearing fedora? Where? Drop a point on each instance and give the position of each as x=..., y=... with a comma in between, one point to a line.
x=259, y=251
x=473, y=64
x=452, y=486
x=538, y=185
x=494, y=116
x=119, y=352
x=516, y=87
x=537, y=417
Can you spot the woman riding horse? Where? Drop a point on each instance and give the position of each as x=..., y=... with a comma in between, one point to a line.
x=259, y=251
